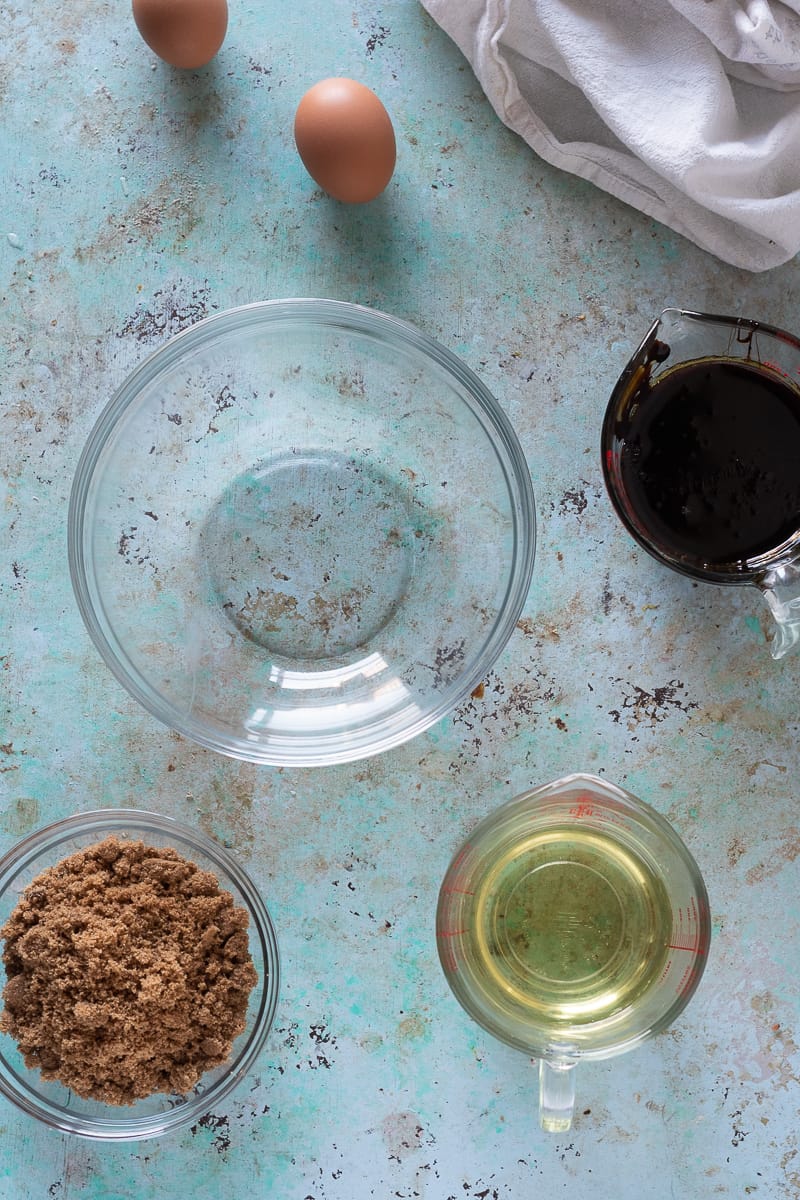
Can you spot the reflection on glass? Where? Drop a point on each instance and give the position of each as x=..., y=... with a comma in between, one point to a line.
x=380, y=698
x=282, y=677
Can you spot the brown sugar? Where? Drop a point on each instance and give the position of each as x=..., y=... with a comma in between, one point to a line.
x=128, y=972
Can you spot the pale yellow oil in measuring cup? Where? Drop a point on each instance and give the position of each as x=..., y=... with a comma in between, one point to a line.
x=573, y=923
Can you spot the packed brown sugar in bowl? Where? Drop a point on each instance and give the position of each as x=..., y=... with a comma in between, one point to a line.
x=128, y=972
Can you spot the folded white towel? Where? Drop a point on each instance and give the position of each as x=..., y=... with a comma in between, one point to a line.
x=688, y=110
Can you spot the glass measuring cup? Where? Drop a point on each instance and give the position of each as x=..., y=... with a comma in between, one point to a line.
x=701, y=455
x=572, y=924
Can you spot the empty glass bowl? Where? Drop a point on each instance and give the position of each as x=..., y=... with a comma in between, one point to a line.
x=301, y=532
x=56, y=1105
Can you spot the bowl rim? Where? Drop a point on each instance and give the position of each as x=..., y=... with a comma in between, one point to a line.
x=322, y=750
x=104, y=821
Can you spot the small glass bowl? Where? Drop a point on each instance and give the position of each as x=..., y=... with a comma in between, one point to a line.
x=301, y=532
x=57, y=1106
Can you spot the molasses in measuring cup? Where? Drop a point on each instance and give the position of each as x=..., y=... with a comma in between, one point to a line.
x=701, y=455
x=573, y=924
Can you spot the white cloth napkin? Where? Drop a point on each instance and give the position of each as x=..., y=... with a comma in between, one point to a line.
x=689, y=110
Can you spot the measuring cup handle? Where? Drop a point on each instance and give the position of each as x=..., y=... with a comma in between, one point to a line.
x=556, y=1095
x=780, y=587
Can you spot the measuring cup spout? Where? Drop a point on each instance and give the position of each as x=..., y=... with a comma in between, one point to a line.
x=556, y=1094
x=780, y=587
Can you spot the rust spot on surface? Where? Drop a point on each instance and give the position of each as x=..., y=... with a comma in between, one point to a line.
x=573, y=501
x=736, y=849
x=640, y=705
x=786, y=852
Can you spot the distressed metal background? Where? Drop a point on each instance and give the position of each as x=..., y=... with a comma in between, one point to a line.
x=135, y=199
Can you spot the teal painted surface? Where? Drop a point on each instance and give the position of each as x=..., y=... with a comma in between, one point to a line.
x=136, y=199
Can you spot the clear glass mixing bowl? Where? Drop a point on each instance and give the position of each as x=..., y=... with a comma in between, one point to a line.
x=301, y=532
x=57, y=1106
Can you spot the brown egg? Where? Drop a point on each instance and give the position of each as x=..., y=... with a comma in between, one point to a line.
x=345, y=138
x=185, y=33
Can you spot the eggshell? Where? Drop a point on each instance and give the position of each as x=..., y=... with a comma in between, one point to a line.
x=185, y=33
x=345, y=138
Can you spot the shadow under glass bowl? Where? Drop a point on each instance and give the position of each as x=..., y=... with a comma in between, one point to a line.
x=301, y=532
x=56, y=1105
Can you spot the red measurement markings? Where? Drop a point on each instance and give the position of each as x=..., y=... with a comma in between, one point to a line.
x=773, y=366
x=582, y=809
x=446, y=950
x=687, y=939
x=453, y=881
x=688, y=980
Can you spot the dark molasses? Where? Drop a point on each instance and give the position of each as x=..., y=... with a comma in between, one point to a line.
x=710, y=460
